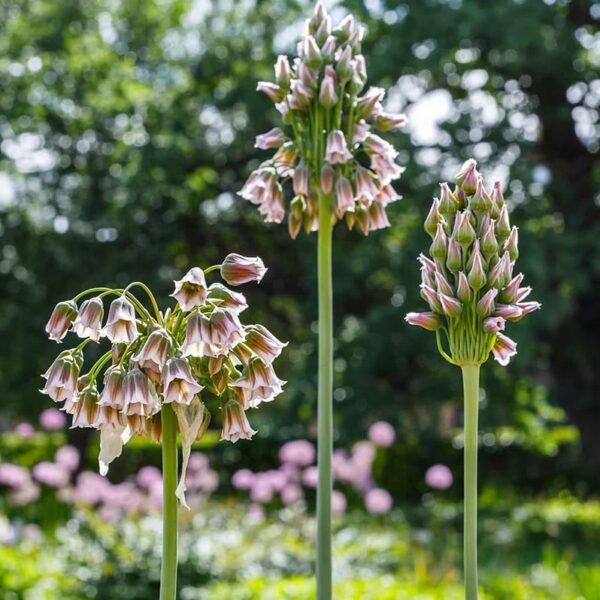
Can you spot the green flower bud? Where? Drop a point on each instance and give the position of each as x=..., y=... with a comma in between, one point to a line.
x=497, y=200
x=485, y=307
x=512, y=244
x=312, y=54
x=499, y=275
x=464, y=233
x=489, y=244
x=454, y=260
x=503, y=224
x=433, y=218
x=463, y=291
x=476, y=276
x=439, y=247
x=467, y=177
x=448, y=204
x=480, y=201
x=451, y=307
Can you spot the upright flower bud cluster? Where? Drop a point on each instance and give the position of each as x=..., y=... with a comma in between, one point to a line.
x=196, y=356
x=330, y=139
x=468, y=282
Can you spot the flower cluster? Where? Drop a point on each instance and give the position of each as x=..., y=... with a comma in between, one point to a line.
x=194, y=357
x=468, y=282
x=331, y=153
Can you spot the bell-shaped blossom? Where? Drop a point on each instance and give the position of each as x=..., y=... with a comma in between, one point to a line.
x=237, y=269
x=61, y=319
x=113, y=393
x=88, y=323
x=139, y=394
x=61, y=378
x=258, y=383
x=178, y=381
x=198, y=336
x=235, y=423
x=121, y=324
x=226, y=298
x=263, y=343
x=85, y=408
x=504, y=349
x=191, y=290
x=154, y=353
x=271, y=139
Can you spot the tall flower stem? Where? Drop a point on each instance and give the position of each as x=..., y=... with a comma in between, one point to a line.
x=325, y=408
x=168, y=573
x=471, y=400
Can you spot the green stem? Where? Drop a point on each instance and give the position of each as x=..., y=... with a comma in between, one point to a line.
x=471, y=402
x=168, y=572
x=325, y=408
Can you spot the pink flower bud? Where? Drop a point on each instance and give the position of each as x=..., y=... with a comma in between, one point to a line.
x=512, y=244
x=121, y=325
x=301, y=180
x=451, y=307
x=270, y=89
x=485, y=307
x=327, y=179
x=190, y=290
x=431, y=297
x=329, y=47
x=370, y=104
x=509, y=293
x=311, y=52
x=282, y=72
x=509, y=312
x=493, y=324
x=237, y=269
x=88, y=323
x=439, y=247
x=454, y=259
x=344, y=196
x=442, y=284
x=61, y=319
x=336, y=151
x=433, y=218
x=427, y=320
x=497, y=200
x=346, y=27
x=504, y=348
x=499, y=274
x=271, y=139
x=343, y=67
x=328, y=96
x=528, y=307
x=463, y=290
x=467, y=177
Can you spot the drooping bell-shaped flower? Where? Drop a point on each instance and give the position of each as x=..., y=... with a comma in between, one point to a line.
x=121, y=324
x=235, y=423
x=88, y=323
x=191, y=290
x=178, y=381
x=61, y=377
x=61, y=319
x=154, y=353
x=237, y=269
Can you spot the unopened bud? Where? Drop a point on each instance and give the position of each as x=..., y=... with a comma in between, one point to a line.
x=510, y=312
x=503, y=224
x=271, y=89
x=301, y=179
x=512, y=244
x=464, y=233
x=480, y=201
x=499, y=274
x=467, y=177
x=328, y=48
x=485, y=307
x=343, y=68
x=509, y=293
x=476, y=276
x=454, y=260
x=448, y=202
x=463, y=291
x=497, y=200
x=433, y=218
x=311, y=52
x=345, y=28
x=322, y=32
x=442, y=284
x=283, y=72
x=389, y=122
x=431, y=297
x=489, y=244
x=439, y=247
x=327, y=95
x=451, y=307
x=327, y=179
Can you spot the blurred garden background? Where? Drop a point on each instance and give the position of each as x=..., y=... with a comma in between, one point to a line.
x=126, y=129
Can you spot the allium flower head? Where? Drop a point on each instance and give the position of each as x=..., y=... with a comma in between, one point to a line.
x=330, y=119
x=468, y=283
x=185, y=359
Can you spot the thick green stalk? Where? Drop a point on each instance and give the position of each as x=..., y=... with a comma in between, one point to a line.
x=471, y=401
x=168, y=572
x=325, y=408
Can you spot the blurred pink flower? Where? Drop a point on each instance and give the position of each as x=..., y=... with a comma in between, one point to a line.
x=439, y=477
x=297, y=452
x=242, y=479
x=197, y=462
x=13, y=475
x=363, y=453
x=67, y=457
x=52, y=418
x=310, y=476
x=256, y=512
x=51, y=474
x=24, y=430
x=378, y=501
x=338, y=502
x=25, y=494
x=147, y=476
x=291, y=493
x=89, y=488
x=261, y=490
x=382, y=434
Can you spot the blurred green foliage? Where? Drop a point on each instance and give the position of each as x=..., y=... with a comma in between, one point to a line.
x=542, y=549
x=127, y=128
